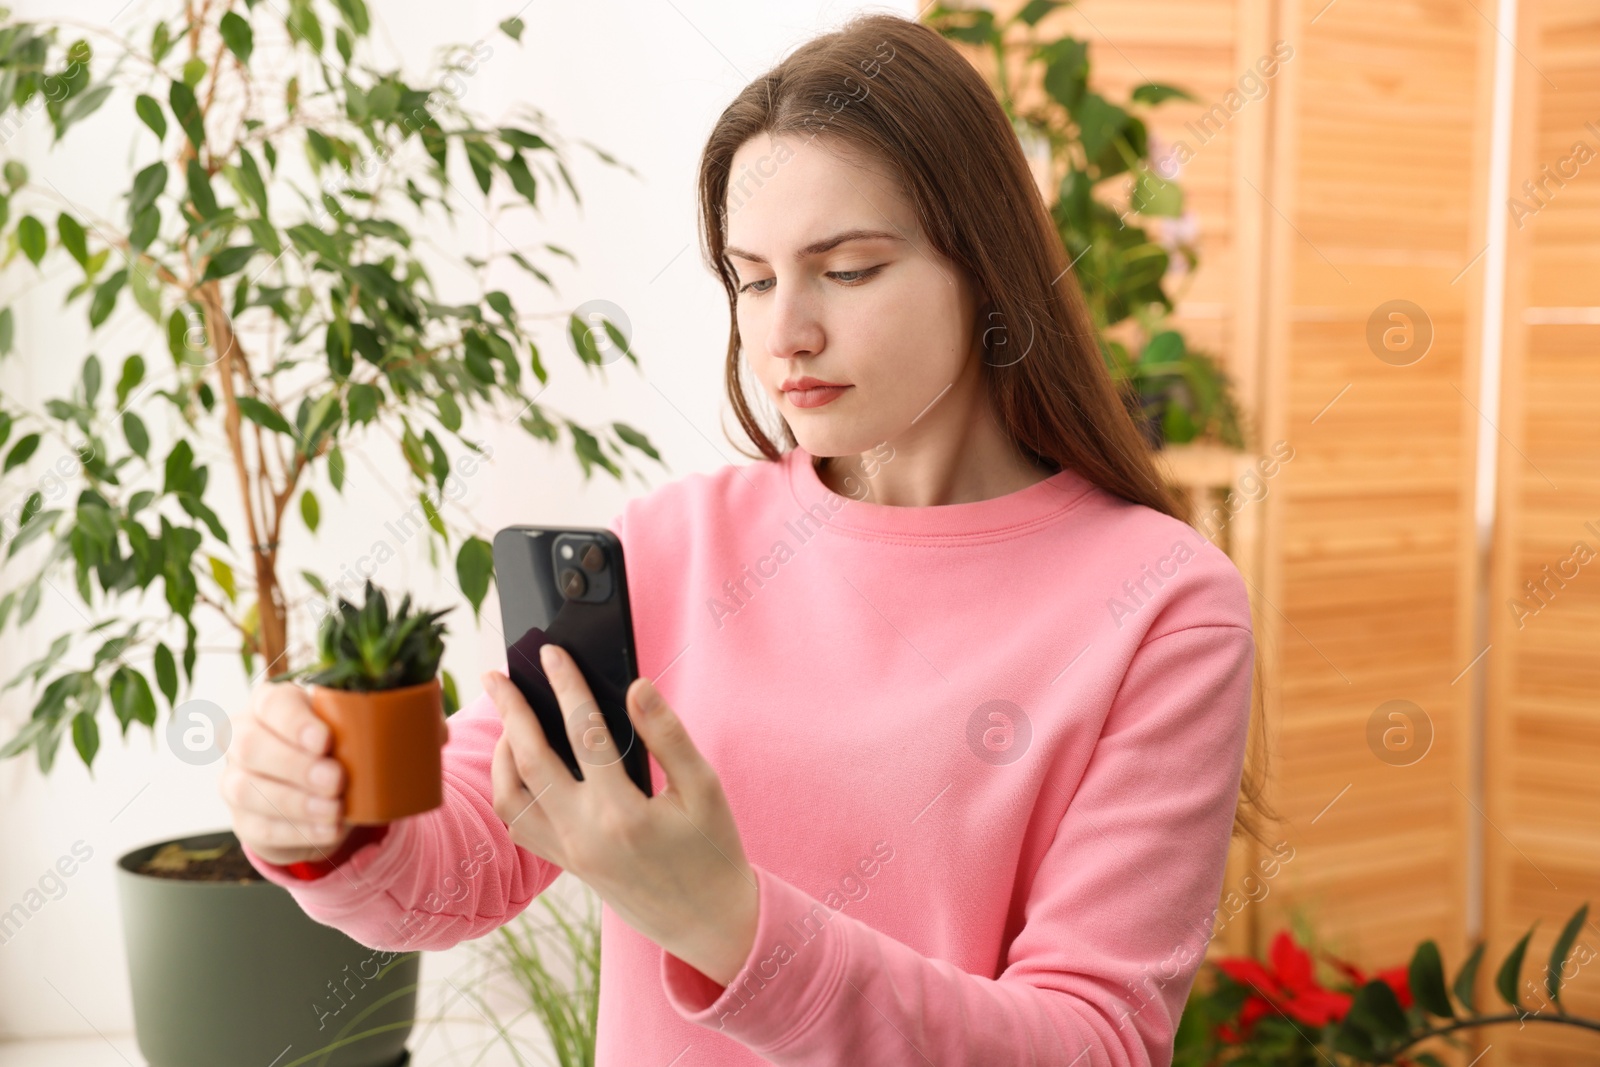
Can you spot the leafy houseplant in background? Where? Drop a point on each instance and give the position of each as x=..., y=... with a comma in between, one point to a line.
x=1279, y=1014
x=1176, y=393
x=270, y=234
x=375, y=683
x=551, y=969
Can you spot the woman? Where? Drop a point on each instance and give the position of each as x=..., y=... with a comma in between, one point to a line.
x=947, y=703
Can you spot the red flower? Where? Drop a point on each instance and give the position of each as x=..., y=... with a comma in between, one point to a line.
x=1289, y=987
x=1396, y=978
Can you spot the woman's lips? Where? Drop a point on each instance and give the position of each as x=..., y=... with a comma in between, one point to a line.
x=815, y=398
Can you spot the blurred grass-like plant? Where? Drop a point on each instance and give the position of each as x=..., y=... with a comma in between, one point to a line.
x=1178, y=394
x=272, y=237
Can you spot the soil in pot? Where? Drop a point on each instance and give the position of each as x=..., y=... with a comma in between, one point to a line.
x=223, y=863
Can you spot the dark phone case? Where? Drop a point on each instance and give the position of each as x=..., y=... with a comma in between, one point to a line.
x=599, y=637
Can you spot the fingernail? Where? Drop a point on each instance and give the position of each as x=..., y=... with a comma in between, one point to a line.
x=649, y=697
x=314, y=736
x=548, y=657
x=322, y=806
x=325, y=775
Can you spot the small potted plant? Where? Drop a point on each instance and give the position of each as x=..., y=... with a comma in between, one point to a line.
x=376, y=684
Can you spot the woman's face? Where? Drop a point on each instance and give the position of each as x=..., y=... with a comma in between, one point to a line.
x=881, y=314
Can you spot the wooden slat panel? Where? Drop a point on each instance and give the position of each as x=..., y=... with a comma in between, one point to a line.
x=1369, y=552
x=1543, y=752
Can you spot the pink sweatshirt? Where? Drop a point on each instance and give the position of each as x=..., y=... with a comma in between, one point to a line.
x=984, y=759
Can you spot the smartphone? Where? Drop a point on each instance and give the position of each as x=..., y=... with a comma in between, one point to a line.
x=568, y=586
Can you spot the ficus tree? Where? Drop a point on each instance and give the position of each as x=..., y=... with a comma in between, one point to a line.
x=276, y=234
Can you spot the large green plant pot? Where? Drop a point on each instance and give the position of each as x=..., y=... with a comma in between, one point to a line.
x=227, y=973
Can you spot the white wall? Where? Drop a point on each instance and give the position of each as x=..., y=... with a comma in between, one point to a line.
x=644, y=81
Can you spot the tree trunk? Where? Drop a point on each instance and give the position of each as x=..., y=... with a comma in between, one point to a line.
x=271, y=640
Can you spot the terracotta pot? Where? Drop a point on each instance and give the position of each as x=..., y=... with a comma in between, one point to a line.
x=388, y=742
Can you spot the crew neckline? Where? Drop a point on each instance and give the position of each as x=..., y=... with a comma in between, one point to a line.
x=1008, y=514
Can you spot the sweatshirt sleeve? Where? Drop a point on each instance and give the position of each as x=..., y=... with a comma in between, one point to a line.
x=1116, y=921
x=436, y=879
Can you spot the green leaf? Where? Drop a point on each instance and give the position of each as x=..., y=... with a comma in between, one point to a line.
x=166, y=673
x=228, y=261
x=137, y=436
x=1155, y=93
x=73, y=238
x=304, y=25
x=522, y=179
x=205, y=201
x=222, y=574
x=449, y=412
x=264, y=415
x=1099, y=121
x=970, y=26
x=146, y=226
x=186, y=109
x=1035, y=10
x=513, y=28
x=20, y=452
x=16, y=173
x=132, y=375
x=1376, y=1006
x=432, y=515
x=309, y=510
x=336, y=468
x=1505, y=980
x=148, y=184
x=131, y=698
x=85, y=736
x=1558, y=954
x=474, y=569
x=91, y=378
x=638, y=440
x=255, y=187
x=1426, y=980
x=8, y=333
x=355, y=16
x=160, y=42
x=32, y=239
x=237, y=35
x=105, y=298
x=194, y=68
x=149, y=110
x=452, y=700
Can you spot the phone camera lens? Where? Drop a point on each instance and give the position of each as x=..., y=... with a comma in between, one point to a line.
x=573, y=583
x=593, y=559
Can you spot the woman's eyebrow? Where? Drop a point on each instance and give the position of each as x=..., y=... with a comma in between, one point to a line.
x=827, y=244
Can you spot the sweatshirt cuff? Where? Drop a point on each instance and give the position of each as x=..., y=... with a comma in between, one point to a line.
x=795, y=964
x=370, y=867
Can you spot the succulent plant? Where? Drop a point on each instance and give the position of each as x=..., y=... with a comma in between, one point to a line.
x=366, y=649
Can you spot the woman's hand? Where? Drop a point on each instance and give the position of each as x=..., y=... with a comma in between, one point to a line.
x=283, y=791
x=671, y=865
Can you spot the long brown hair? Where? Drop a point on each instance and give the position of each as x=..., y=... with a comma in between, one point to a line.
x=895, y=90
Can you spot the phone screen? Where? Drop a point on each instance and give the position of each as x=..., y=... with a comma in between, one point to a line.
x=568, y=586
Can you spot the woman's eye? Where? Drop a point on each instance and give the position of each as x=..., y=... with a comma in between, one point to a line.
x=845, y=277
x=863, y=274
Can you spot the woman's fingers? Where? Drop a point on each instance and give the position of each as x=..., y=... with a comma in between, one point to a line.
x=317, y=815
x=685, y=768
x=515, y=805
x=285, y=709
x=284, y=793
x=535, y=762
x=599, y=757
